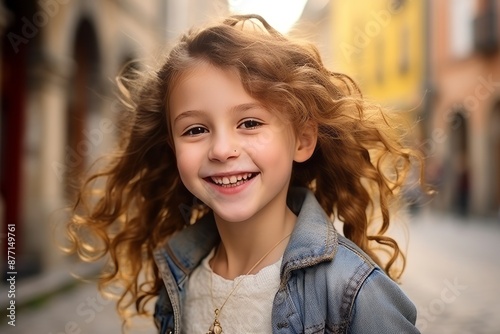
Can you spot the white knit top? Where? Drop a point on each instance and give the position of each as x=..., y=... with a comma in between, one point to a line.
x=248, y=309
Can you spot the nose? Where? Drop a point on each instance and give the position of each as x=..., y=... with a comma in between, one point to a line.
x=223, y=147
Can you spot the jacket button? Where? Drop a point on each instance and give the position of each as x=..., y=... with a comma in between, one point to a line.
x=282, y=325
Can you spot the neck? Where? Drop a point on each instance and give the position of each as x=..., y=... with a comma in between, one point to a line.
x=245, y=243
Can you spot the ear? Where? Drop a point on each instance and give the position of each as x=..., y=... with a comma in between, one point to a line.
x=306, y=142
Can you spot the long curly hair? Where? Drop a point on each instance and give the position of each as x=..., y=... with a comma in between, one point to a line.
x=356, y=172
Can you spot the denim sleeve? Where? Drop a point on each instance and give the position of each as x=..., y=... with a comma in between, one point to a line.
x=382, y=307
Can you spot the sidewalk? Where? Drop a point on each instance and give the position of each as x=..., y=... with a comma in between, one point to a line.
x=453, y=274
x=80, y=310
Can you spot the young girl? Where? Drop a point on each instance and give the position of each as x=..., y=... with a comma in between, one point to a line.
x=241, y=151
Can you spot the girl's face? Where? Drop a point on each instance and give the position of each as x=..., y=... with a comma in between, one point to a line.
x=232, y=153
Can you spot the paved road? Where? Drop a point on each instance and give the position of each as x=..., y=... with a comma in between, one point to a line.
x=78, y=311
x=452, y=276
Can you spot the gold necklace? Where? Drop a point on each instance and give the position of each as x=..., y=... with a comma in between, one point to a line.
x=216, y=327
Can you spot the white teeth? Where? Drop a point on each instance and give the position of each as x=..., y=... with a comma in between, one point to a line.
x=231, y=180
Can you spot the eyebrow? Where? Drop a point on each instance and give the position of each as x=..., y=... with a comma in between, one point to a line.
x=188, y=113
x=238, y=108
x=246, y=106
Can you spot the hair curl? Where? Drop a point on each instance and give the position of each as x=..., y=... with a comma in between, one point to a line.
x=359, y=165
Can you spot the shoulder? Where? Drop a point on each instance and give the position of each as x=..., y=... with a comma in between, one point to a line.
x=381, y=305
x=350, y=265
x=347, y=264
x=355, y=275
x=333, y=284
x=370, y=300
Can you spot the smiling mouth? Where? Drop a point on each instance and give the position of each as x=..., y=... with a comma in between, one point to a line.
x=231, y=180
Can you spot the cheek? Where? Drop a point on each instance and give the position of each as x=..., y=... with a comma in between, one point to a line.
x=182, y=166
x=186, y=160
x=273, y=148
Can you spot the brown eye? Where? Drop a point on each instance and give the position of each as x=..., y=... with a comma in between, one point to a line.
x=194, y=131
x=250, y=124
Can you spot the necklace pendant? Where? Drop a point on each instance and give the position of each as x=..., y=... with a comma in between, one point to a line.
x=215, y=328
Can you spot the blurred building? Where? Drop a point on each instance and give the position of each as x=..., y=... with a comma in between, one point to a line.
x=439, y=60
x=463, y=141
x=59, y=59
x=381, y=44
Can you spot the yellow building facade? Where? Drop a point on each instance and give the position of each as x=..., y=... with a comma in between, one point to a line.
x=381, y=44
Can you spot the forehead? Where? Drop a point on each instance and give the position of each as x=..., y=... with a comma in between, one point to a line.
x=207, y=87
x=198, y=74
x=204, y=85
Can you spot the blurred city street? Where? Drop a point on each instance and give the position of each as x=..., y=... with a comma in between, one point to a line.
x=452, y=277
x=435, y=63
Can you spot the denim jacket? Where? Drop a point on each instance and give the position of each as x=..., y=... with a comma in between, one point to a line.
x=328, y=284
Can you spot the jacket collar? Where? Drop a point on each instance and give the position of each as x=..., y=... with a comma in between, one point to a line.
x=313, y=240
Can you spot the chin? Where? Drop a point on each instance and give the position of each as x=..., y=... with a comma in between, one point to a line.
x=233, y=218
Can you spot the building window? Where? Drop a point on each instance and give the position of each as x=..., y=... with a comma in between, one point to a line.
x=485, y=29
x=461, y=28
x=397, y=4
x=404, y=51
